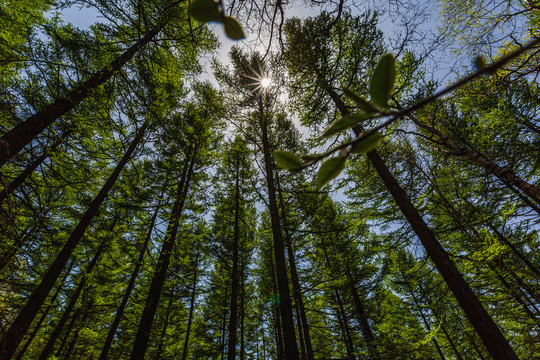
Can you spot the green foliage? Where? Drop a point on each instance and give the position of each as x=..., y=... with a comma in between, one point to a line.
x=382, y=80
x=330, y=169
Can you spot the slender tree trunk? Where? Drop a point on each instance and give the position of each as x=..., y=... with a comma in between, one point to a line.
x=504, y=174
x=152, y=300
x=361, y=314
x=277, y=322
x=19, y=180
x=21, y=135
x=303, y=327
x=224, y=323
x=346, y=328
x=191, y=310
x=242, y=318
x=45, y=313
x=69, y=330
x=518, y=280
x=516, y=252
x=289, y=335
x=491, y=336
x=14, y=335
x=165, y=324
x=47, y=350
x=231, y=348
x=426, y=322
x=129, y=288
x=451, y=342
x=71, y=346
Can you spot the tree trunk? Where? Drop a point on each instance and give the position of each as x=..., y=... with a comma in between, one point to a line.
x=303, y=327
x=71, y=305
x=491, y=336
x=361, y=314
x=231, y=348
x=152, y=300
x=224, y=324
x=165, y=324
x=289, y=335
x=129, y=288
x=426, y=323
x=45, y=313
x=346, y=328
x=503, y=174
x=190, y=317
x=19, y=180
x=21, y=135
x=14, y=335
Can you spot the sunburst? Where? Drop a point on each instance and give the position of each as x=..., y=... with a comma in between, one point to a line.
x=262, y=81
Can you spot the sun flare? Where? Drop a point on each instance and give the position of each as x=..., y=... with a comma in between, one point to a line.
x=266, y=82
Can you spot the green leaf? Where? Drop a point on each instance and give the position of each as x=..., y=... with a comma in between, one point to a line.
x=287, y=160
x=205, y=11
x=233, y=29
x=367, y=144
x=382, y=80
x=330, y=169
x=360, y=101
x=345, y=123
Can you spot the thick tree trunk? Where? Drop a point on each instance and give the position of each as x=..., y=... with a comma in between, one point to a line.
x=21, y=135
x=71, y=305
x=14, y=335
x=231, y=348
x=491, y=336
x=190, y=317
x=129, y=288
x=19, y=180
x=152, y=300
x=289, y=335
x=303, y=327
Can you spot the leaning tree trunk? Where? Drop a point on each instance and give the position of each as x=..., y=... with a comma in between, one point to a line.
x=21, y=353
x=71, y=305
x=158, y=279
x=19, y=180
x=129, y=288
x=503, y=174
x=15, y=333
x=289, y=335
x=491, y=335
x=21, y=135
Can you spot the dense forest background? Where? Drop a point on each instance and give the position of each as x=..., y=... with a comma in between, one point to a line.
x=143, y=213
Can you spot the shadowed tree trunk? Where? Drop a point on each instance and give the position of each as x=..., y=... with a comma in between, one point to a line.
x=287, y=322
x=129, y=288
x=18, y=328
x=21, y=135
x=491, y=336
x=191, y=310
x=158, y=279
x=71, y=305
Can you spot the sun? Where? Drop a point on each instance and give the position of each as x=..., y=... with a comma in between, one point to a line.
x=266, y=82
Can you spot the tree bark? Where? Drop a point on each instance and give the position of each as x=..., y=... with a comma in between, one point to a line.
x=289, y=335
x=158, y=279
x=165, y=324
x=18, y=328
x=491, y=336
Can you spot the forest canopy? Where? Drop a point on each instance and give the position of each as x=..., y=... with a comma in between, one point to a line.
x=347, y=180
